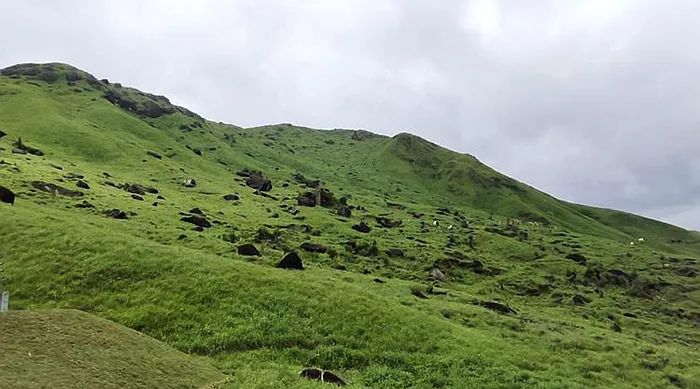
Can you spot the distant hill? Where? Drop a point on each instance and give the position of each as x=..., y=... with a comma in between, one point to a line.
x=423, y=267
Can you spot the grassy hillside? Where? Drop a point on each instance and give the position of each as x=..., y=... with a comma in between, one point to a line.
x=560, y=299
x=69, y=348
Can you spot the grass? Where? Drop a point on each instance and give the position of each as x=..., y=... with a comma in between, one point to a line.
x=69, y=348
x=261, y=325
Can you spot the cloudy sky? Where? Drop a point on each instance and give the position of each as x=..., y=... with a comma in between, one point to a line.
x=592, y=101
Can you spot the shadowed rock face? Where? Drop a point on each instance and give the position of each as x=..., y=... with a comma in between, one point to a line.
x=248, y=249
x=7, y=196
x=291, y=261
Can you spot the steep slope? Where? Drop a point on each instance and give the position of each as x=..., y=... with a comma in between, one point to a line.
x=585, y=308
x=72, y=349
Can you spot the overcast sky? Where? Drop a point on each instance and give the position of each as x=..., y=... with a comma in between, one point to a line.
x=595, y=102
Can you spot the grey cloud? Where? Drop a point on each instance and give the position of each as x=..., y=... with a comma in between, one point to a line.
x=590, y=101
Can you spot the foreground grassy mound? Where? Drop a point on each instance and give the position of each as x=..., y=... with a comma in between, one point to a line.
x=423, y=267
x=73, y=349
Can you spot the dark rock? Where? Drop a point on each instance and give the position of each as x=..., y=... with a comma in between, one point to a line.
x=181, y=237
x=134, y=188
x=379, y=280
x=231, y=197
x=687, y=272
x=197, y=211
x=74, y=176
x=7, y=196
x=24, y=149
x=136, y=197
x=418, y=292
x=154, y=154
x=84, y=204
x=498, y=307
x=198, y=228
x=312, y=373
x=332, y=378
x=57, y=167
x=16, y=150
x=362, y=227
x=344, y=211
x=2, y=134
x=257, y=181
x=394, y=252
x=198, y=220
x=82, y=184
x=248, y=249
x=155, y=204
x=579, y=299
x=578, y=258
x=55, y=189
x=305, y=181
x=386, y=222
x=117, y=214
x=160, y=197
x=190, y=183
x=313, y=248
x=291, y=261
x=306, y=199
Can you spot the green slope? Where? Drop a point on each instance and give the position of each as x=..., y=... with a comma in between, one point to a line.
x=261, y=325
x=72, y=349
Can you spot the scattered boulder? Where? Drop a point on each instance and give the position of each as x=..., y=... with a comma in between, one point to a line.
x=84, y=204
x=181, y=237
x=197, y=211
x=306, y=199
x=7, y=196
x=580, y=299
x=687, y=272
x=231, y=197
x=313, y=373
x=394, y=252
x=299, y=178
x=291, y=261
x=190, y=183
x=117, y=214
x=418, y=292
x=55, y=189
x=154, y=154
x=82, y=184
x=2, y=134
x=498, y=307
x=386, y=222
x=257, y=181
x=313, y=247
x=344, y=211
x=24, y=149
x=197, y=220
x=379, y=280
x=578, y=258
x=362, y=227
x=248, y=250
x=136, y=197
x=437, y=275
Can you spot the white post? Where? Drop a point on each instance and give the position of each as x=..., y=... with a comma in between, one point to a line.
x=4, y=301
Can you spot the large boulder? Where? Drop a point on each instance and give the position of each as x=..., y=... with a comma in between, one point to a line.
x=197, y=220
x=362, y=227
x=24, y=149
x=344, y=211
x=386, y=222
x=55, y=189
x=257, y=181
x=7, y=196
x=248, y=250
x=291, y=261
x=117, y=214
x=578, y=258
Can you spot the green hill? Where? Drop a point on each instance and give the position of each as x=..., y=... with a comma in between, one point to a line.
x=68, y=348
x=556, y=298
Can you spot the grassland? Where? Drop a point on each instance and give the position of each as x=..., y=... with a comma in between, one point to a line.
x=627, y=316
